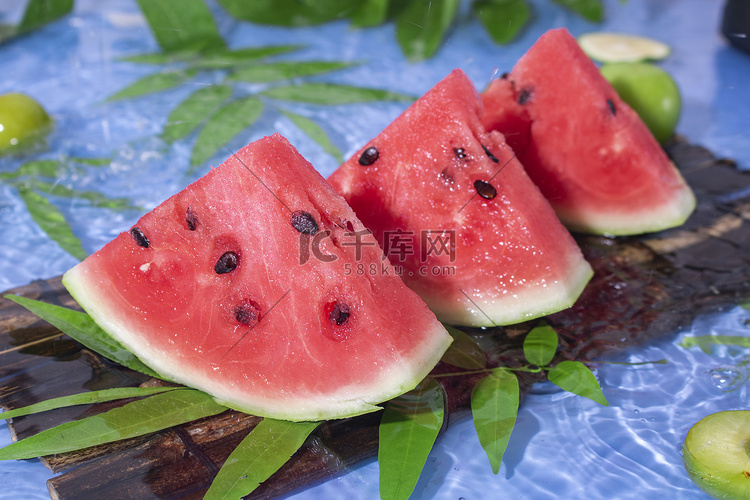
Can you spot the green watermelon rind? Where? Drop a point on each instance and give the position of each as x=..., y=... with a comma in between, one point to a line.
x=673, y=213
x=531, y=303
x=338, y=406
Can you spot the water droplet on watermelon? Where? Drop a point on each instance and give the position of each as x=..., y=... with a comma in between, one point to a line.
x=369, y=156
x=523, y=96
x=304, y=222
x=227, y=263
x=339, y=314
x=247, y=313
x=139, y=237
x=611, y=105
x=485, y=189
x=489, y=154
x=460, y=153
x=191, y=219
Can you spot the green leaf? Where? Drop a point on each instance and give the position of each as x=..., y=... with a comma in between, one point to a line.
x=186, y=25
x=93, y=162
x=422, y=25
x=316, y=133
x=134, y=419
x=575, y=377
x=94, y=197
x=193, y=111
x=329, y=93
x=408, y=429
x=289, y=12
x=464, y=352
x=85, y=399
x=272, y=72
x=707, y=342
x=52, y=222
x=214, y=59
x=745, y=304
x=588, y=9
x=44, y=168
x=227, y=122
x=153, y=83
x=268, y=447
x=540, y=345
x=41, y=12
x=370, y=13
x=502, y=19
x=82, y=328
x=494, y=406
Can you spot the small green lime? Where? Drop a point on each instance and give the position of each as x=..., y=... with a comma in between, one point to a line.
x=716, y=454
x=619, y=47
x=650, y=91
x=22, y=122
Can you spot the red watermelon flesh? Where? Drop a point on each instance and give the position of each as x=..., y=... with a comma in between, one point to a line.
x=458, y=216
x=587, y=150
x=241, y=285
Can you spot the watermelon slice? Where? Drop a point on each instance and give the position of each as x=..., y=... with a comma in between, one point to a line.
x=242, y=285
x=586, y=149
x=458, y=216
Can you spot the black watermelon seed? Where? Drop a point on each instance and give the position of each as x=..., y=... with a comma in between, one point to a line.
x=247, y=313
x=369, y=156
x=523, y=96
x=485, y=189
x=489, y=153
x=191, y=219
x=611, y=105
x=139, y=237
x=339, y=314
x=304, y=222
x=459, y=152
x=227, y=263
x=446, y=177
x=504, y=76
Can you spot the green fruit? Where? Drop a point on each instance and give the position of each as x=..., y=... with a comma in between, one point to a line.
x=23, y=121
x=650, y=91
x=618, y=47
x=716, y=454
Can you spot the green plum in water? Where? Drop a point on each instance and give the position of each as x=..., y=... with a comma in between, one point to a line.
x=650, y=91
x=23, y=121
x=716, y=454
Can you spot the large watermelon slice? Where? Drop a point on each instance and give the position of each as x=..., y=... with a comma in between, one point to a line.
x=590, y=154
x=244, y=285
x=458, y=216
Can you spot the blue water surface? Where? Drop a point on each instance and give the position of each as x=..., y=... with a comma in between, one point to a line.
x=563, y=446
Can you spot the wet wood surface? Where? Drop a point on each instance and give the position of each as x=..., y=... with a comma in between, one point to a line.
x=644, y=288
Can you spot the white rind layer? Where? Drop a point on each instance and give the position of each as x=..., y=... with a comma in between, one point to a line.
x=403, y=375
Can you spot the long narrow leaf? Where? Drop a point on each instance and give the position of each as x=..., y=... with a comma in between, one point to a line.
x=227, y=122
x=464, y=352
x=182, y=26
x=153, y=83
x=540, y=345
x=85, y=399
x=82, y=328
x=193, y=111
x=134, y=419
x=593, y=10
x=408, y=429
x=494, y=406
x=44, y=168
x=316, y=133
x=422, y=25
x=52, y=222
x=329, y=93
x=221, y=58
x=41, y=12
x=94, y=197
x=575, y=377
x=273, y=72
x=502, y=19
x=268, y=447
